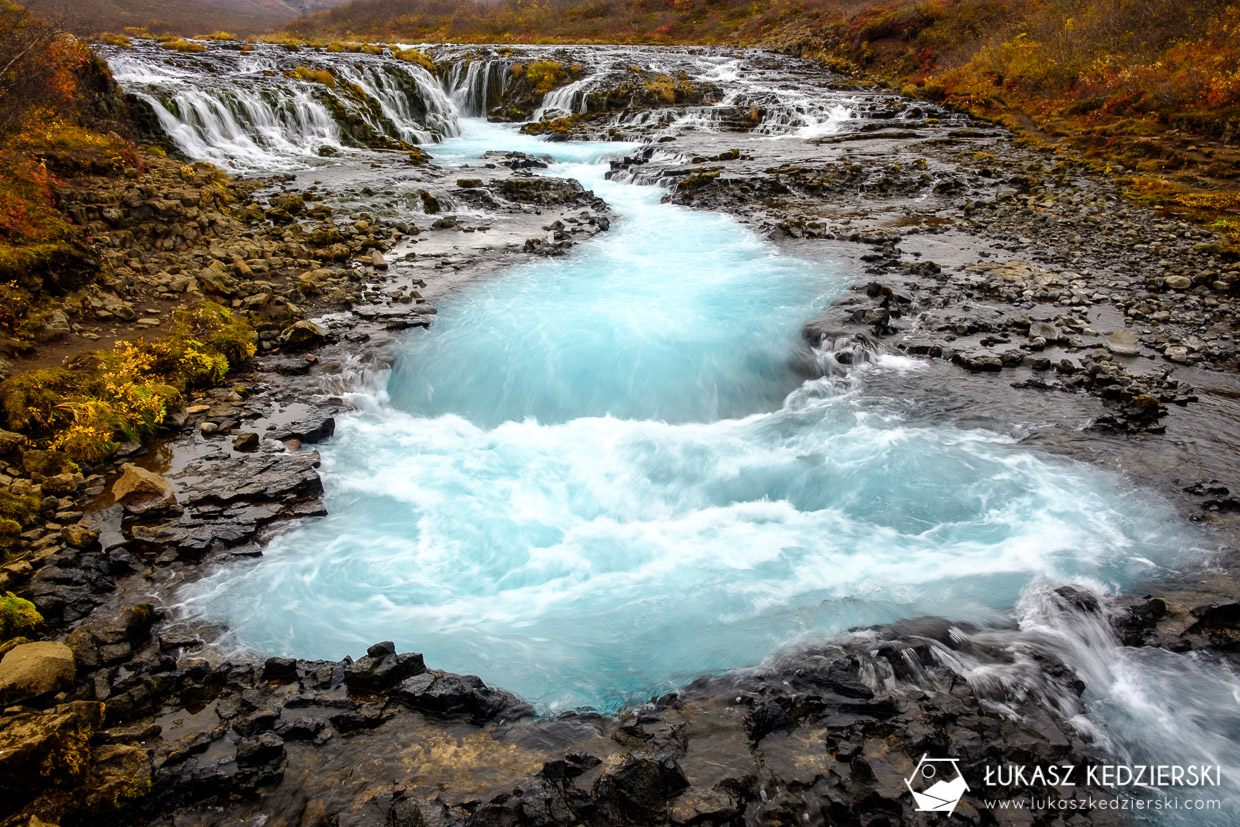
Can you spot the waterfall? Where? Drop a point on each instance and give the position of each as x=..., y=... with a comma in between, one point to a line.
x=476, y=85
x=567, y=100
x=269, y=109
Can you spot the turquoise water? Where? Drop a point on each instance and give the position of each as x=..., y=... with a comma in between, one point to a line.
x=599, y=476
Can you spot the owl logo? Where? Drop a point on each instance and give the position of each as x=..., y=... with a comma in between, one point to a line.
x=936, y=785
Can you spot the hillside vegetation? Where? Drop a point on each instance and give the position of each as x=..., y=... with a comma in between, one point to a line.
x=60, y=119
x=182, y=17
x=1141, y=85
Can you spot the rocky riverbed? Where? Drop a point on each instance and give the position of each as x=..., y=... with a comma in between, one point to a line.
x=1044, y=304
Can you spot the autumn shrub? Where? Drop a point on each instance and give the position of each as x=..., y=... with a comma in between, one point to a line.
x=181, y=45
x=114, y=39
x=320, y=76
x=100, y=399
x=544, y=75
x=415, y=56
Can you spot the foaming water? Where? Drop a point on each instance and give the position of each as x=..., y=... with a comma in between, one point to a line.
x=599, y=476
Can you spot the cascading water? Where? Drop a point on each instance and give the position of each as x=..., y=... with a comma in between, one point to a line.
x=477, y=84
x=240, y=111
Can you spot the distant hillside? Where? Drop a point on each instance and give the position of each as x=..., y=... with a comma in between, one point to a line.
x=183, y=17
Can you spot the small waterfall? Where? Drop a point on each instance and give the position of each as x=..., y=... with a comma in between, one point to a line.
x=477, y=85
x=567, y=100
x=270, y=109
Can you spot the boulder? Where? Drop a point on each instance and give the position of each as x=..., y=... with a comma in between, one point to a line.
x=35, y=669
x=378, y=261
x=1178, y=282
x=302, y=335
x=141, y=491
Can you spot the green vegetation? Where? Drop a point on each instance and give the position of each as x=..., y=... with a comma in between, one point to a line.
x=320, y=76
x=17, y=616
x=99, y=399
x=179, y=45
x=415, y=56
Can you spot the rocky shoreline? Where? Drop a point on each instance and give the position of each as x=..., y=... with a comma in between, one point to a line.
x=997, y=264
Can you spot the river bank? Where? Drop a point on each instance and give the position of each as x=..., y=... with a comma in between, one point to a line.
x=963, y=241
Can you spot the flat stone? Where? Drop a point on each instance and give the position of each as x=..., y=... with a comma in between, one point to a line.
x=1123, y=343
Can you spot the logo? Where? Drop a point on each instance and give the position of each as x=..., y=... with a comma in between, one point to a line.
x=936, y=785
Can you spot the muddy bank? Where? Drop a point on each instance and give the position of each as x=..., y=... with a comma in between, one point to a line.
x=1010, y=276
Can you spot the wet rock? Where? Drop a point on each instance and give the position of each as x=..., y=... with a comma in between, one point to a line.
x=33, y=670
x=378, y=261
x=1177, y=282
x=459, y=695
x=382, y=669
x=302, y=335
x=247, y=441
x=143, y=492
x=280, y=670
x=1044, y=330
x=315, y=427
x=261, y=749
x=640, y=787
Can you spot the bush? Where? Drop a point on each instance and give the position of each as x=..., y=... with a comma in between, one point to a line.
x=321, y=76
x=179, y=45
x=415, y=56
x=17, y=616
x=86, y=408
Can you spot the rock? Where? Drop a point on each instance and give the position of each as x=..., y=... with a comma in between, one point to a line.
x=247, y=441
x=10, y=442
x=302, y=335
x=449, y=694
x=1176, y=353
x=35, y=669
x=280, y=670
x=1044, y=330
x=641, y=785
x=1178, y=282
x=378, y=261
x=142, y=492
x=79, y=536
x=47, y=463
x=50, y=747
x=376, y=673
x=1123, y=343
x=121, y=773
x=264, y=747
x=123, y=312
